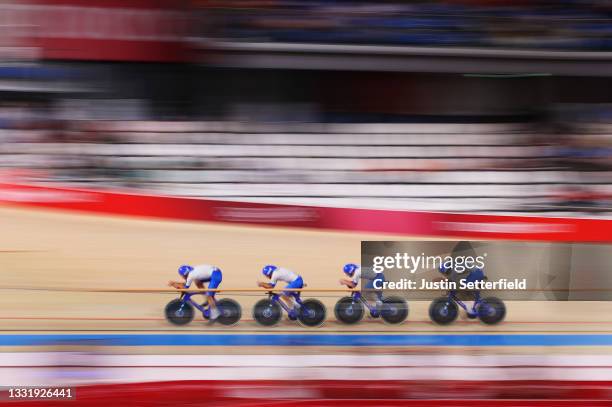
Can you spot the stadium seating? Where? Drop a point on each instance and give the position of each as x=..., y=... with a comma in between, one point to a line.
x=582, y=25
x=466, y=167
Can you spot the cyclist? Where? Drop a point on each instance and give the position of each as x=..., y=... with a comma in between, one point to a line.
x=353, y=271
x=293, y=280
x=198, y=275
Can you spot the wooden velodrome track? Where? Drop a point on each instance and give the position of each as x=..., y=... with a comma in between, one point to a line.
x=51, y=249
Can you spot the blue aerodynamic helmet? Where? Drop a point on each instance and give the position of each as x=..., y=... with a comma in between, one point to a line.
x=444, y=270
x=185, y=269
x=268, y=270
x=349, y=269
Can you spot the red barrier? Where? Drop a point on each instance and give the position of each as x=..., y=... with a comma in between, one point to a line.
x=340, y=393
x=344, y=219
x=105, y=30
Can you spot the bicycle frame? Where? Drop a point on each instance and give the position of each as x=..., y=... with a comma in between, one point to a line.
x=276, y=298
x=452, y=296
x=186, y=299
x=358, y=297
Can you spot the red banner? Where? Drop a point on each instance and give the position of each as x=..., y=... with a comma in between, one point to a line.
x=117, y=30
x=344, y=219
x=341, y=393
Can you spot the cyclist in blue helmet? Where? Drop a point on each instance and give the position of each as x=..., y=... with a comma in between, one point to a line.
x=353, y=272
x=198, y=275
x=293, y=280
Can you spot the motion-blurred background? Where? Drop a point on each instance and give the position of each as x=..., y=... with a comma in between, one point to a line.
x=425, y=105
x=480, y=106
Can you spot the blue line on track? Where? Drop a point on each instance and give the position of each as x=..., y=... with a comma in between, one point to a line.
x=304, y=340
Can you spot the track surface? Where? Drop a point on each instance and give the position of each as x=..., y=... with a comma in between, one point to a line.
x=544, y=350
x=41, y=249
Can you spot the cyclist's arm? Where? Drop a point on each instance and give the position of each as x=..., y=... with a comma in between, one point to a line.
x=272, y=282
x=190, y=280
x=348, y=282
x=176, y=284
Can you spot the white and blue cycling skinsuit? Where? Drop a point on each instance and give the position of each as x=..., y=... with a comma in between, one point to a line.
x=205, y=273
x=379, y=278
x=293, y=279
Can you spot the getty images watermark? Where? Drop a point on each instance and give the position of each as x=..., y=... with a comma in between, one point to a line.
x=459, y=267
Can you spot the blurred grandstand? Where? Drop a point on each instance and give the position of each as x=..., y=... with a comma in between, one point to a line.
x=496, y=167
x=470, y=106
x=560, y=25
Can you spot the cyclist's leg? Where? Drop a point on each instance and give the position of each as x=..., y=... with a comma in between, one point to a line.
x=379, y=280
x=373, y=293
x=290, y=296
x=215, y=281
